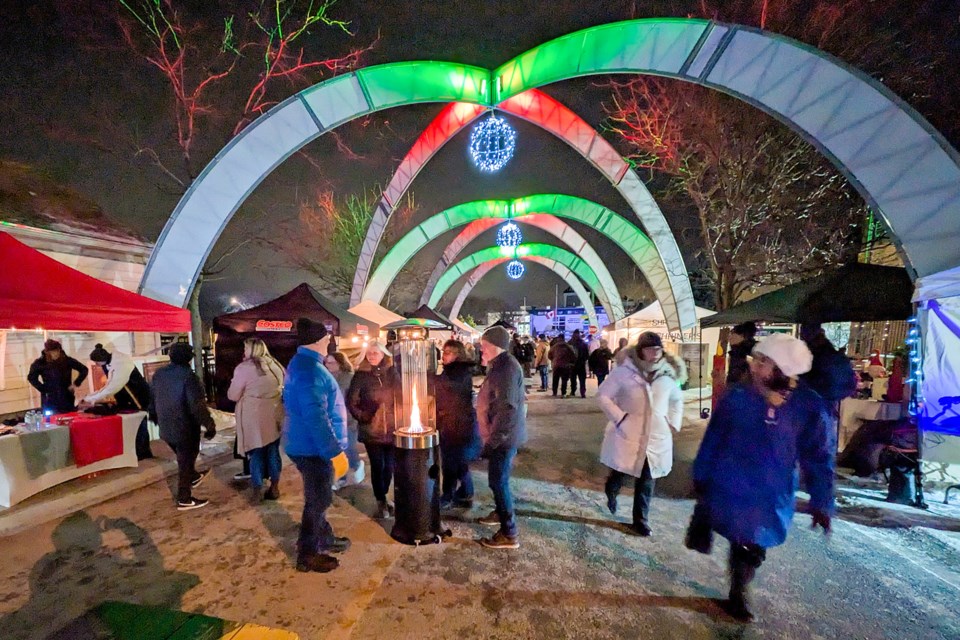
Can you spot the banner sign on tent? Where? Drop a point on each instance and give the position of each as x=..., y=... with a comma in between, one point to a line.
x=941, y=368
x=274, y=325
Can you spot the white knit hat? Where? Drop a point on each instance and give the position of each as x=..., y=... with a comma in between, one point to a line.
x=791, y=354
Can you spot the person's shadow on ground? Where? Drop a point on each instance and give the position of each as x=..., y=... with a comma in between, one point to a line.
x=82, y=573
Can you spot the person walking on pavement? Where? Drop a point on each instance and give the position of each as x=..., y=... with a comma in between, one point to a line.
x=342, y=371
x=580, y=364
x=831, y=374
x=315, y=436
x=541, y=361
x=179, y=407
x=742, y=340
x=257, y=388
x=745, y=473
x=371, y=399
x=501, y=413
x=643, y=402
x=52, y=375
x=457, y=424
x=599, y=361
x=562, y=358
x=125, y=386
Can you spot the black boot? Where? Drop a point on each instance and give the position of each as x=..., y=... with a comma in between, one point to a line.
x=744, y=561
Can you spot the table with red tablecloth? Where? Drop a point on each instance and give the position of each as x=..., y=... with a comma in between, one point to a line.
x=34, y=461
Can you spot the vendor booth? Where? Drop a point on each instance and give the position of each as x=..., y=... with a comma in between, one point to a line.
x=275, y=322
x=375, y=314
x=55, y=298
x=692, y=347
x=444, y=328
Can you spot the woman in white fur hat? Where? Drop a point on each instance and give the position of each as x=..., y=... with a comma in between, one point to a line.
x=745, y=474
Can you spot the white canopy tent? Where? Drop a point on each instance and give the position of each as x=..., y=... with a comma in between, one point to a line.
x=370, y=310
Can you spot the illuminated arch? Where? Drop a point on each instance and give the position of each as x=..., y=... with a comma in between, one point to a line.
x=535, y=249
x=568, y=276
x=669, y=279
x=906, y=171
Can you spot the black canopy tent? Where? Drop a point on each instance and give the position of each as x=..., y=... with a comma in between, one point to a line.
x=275, y=322
x=427, y=313
x=852, y=293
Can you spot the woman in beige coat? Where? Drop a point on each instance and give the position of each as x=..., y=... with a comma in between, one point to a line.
x=257, y=388
x=642, y=399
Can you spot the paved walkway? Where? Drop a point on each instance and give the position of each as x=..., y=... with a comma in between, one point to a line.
x=576, y=575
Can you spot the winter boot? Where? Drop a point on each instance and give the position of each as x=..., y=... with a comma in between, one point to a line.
x=742, y=571
x=273, y=493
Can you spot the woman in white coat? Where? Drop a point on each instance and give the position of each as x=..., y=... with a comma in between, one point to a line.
x=642, y=399
x=257, y=388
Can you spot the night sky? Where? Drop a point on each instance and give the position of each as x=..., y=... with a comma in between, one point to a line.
x=59, y=96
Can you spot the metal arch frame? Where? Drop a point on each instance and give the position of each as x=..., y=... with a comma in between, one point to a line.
x=899, y=163
x=548, y=251
x=672, y=284
x=568, y=276
x=625, y=235
x=629, y=238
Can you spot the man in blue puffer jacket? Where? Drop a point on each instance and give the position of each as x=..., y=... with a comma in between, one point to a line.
x=315, y=433
x=746, y=475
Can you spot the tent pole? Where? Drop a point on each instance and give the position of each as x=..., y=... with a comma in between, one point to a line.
x=912, y=406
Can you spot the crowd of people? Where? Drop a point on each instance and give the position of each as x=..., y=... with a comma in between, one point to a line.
x=776, y=414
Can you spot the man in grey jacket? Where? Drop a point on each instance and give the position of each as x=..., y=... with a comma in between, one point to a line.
x=501, y=413
x=179, y=407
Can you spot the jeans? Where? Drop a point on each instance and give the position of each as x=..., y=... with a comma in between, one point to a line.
x=353, y=452
x=579, y=373
x=560, y=376
x=642, y=492
x=186, y=453
x=600, y=378
x=456, y=482
x=142, y=442
x=381, y=469
x=500, y=461
x=542, y=369
x=265, y=462
x=316, y=534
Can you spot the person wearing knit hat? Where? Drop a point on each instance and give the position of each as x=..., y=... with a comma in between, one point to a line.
x=745, y=474
x=52, y=375
x=501, y=415
x=179, y=407
x=315, y=438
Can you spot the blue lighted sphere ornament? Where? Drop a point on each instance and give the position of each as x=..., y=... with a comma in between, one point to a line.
x=509, y=235
x=515, y=269
x=492, y=143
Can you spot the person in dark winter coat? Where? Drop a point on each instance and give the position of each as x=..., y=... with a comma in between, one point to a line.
x=742, y=342
x=745, y=474
x=579, y=373
x=52, y=375
x=562, y=360
x=371, y=400
x=315, y=437
x=501, y=413
x=599, y=361
x=127, y=387
x=832, y=374
x=179, y=407
x=457, y=423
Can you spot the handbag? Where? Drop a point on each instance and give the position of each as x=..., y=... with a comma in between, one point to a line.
x=699, y=536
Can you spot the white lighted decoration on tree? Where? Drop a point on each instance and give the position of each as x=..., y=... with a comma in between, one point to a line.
x=492, y=143
x=515, y=269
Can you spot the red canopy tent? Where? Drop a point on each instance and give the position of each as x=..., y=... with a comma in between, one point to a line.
x=37, y=291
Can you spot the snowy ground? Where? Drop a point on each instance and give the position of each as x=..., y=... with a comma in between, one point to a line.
x=886, y=572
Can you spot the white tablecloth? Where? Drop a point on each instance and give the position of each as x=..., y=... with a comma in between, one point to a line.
x=27, y=461
x=853, y=411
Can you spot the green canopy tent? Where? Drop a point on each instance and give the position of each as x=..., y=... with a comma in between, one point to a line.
x=852, y=293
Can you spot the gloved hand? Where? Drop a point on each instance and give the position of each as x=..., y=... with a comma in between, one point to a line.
x=340, y=465
x=209, y=433
x=821, y=519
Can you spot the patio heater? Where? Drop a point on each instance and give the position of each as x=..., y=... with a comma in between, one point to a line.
x=417, y=467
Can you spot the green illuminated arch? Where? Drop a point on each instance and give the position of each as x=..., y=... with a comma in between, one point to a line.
x=548, y=251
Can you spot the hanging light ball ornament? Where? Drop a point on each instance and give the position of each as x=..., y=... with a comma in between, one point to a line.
x=515, y=269
x=509, y=235
x=492, y=143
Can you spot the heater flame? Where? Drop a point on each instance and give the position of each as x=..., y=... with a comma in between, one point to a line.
x=416, y=426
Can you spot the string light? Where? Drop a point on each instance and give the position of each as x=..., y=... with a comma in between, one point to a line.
x=915, y=364
x=492, y=143
x=509, y=235
x=515, y=269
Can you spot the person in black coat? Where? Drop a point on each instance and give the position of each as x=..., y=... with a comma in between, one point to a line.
x=600, y=361
x=52, y=375
x=179, y=406
x=457, y=423
x=742, y=341
x=562, y=359
x=579, y=365
x=371, y=399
